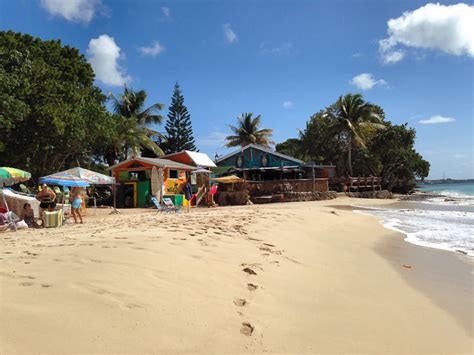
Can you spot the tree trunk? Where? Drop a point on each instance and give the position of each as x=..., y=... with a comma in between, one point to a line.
x=349, y=156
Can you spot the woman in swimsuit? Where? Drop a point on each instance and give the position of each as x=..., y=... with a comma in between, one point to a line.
x=76, y=206
x=47, y=197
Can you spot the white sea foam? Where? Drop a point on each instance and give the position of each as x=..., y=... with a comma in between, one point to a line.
x=451, y=198
x=449, y=230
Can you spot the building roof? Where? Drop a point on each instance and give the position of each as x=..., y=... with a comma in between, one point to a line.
x=200, y=159
x=159, y=162
x=259, y=147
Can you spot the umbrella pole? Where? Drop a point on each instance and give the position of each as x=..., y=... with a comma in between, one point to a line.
x=62, y=207
x=95, y=200
x=114, y=192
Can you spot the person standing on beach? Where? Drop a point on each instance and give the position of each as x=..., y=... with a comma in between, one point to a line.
x=188, y=195
x=47, y=199
x=76, y=195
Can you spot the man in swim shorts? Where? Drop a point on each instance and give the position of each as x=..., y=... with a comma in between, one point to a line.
x=76, y=205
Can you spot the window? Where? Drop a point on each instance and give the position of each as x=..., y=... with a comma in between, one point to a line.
x=173, y=174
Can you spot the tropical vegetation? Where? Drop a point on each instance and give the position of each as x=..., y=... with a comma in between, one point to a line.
x=133, y=134
x=51, y=114
x=355, y=136
x=248, y=131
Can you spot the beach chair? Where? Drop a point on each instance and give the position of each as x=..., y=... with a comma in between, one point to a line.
x=169, y=204
x=158, y=206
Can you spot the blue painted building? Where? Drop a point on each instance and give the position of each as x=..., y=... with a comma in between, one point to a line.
x=255, y=162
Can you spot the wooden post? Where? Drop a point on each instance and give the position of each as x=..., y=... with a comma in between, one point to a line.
x=314, y=183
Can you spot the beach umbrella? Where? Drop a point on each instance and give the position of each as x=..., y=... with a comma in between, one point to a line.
x=64, y=179
x=90, y=176
x=201, y=170
x=10, y=176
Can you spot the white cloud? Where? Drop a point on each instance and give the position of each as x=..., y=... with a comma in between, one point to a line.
x=284, y=48
x=448, y=28
x=437, y=120
x=166, y=11
x=287, y=104
x=104, y=55
x=366, y=81
x=229, y=33
x=81, y=11
x=153, y=50
x=213, y=139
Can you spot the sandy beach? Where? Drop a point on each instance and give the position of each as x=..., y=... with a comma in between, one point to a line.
x=301, y=277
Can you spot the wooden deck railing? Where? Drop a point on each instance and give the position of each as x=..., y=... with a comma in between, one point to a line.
x=357, y=183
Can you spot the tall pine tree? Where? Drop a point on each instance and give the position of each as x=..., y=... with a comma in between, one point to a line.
x=179, y=131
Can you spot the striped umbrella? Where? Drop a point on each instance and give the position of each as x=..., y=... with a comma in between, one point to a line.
x=90, y=176
x=64, y=179
x=10, y=176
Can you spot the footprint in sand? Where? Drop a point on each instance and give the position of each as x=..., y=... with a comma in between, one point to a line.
x=249, y=271
x=26, y=283
x=251, y=287
x=240, y=302
x=45, y=285
x=247, y=329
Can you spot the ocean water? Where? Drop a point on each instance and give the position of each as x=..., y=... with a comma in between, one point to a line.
x=445, y=220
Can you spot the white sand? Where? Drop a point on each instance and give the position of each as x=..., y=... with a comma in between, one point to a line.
x=143, y=282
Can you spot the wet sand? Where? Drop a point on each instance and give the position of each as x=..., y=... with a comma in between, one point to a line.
x=287, y=278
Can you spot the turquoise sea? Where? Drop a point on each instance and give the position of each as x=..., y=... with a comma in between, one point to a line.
x=443, y=220
x=455, y=190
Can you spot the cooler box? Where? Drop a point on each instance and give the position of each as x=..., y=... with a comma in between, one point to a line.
x=53, y=219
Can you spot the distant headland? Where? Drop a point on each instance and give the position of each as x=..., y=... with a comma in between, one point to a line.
x=447, y=181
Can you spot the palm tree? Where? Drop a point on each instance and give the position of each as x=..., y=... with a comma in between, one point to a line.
x=135, y=135
x=130, y=104
x=129, y=139
x=248, y=132
x=353, y=117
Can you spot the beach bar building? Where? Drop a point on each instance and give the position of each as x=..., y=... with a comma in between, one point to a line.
x=256, y=163
x=133, y=180
x=271, y=176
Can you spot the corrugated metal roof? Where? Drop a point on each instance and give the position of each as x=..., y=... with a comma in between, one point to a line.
x=200, y=159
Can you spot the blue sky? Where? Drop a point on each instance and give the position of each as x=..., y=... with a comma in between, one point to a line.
x=284, y=60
